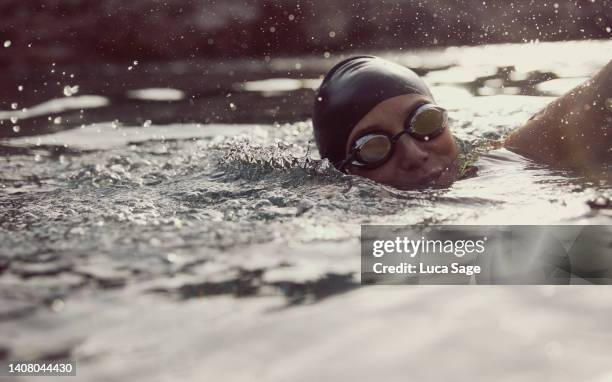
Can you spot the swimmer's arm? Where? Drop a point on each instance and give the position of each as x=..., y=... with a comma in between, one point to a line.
x=575, y=130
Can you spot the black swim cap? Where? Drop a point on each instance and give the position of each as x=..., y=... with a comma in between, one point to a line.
x=349, y=91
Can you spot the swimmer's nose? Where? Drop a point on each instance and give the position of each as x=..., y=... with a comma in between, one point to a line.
x=410, y=154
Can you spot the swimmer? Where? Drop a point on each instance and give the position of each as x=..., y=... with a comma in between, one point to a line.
x=379, y=120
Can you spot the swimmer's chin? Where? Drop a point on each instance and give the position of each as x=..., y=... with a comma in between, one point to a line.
x=448, y=177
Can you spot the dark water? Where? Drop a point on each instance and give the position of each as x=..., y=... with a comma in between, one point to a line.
x=192, y=222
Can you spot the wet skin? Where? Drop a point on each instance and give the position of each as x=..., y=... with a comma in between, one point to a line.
x=574, y=131
x=414, y=163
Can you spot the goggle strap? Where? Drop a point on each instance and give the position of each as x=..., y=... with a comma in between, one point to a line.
x=342, y=164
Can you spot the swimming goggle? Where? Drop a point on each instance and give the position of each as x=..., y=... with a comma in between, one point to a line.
x=374, y=149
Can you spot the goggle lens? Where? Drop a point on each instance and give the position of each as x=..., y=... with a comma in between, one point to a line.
x=374, y=149
x=428, y=121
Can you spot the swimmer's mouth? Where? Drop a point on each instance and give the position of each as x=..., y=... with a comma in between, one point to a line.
x=440, y=178
x=432, y=178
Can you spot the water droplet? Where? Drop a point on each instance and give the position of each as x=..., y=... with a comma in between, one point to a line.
x=173, y=258
x=57, y=305
x=426, y=138
x=57, y=120
x=319, y=99
x=37, y=158
x=14, y=105
x=332, y=34
x=69, y=91
x=130, y=67
x=16, y=128
x=14, y=119
x=327, y=55
x=608, y=29
x=232, y=106
x=7, y=43
x=135, y=62
x=20, y=88
x=291, y=17
x=147, y=123
x=115, y=124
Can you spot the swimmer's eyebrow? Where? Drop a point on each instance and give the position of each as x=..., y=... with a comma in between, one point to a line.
x=408, y=110
x=371, y=129
x=374, y=128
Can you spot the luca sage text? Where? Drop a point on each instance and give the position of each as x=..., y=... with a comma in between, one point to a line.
x=421, y=268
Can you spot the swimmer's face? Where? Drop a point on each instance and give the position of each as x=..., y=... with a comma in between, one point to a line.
x=414, y=163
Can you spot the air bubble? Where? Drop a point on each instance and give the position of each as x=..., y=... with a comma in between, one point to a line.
x=147, y=123
x=16, y=128
x=7, y=43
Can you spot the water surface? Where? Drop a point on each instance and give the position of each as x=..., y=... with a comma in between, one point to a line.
x=188, y=200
